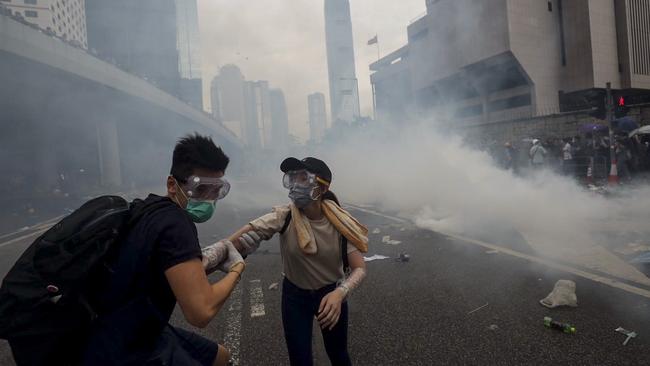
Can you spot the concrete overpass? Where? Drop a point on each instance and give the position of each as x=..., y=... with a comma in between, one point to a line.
x=63, y=110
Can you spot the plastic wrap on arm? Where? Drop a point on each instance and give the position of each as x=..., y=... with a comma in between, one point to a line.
x=353, y=280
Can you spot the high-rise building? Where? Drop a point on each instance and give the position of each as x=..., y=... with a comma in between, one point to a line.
x=344, y=89
x=228, y=102
x=261, y=102
x=257, y=112
x=66, y=18
x=139, y=36
x=279, y=118
x=317, y=116
x=492, y=60
x=189, y=52
x=250, y=109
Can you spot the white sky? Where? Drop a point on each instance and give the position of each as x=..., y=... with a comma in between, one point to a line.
x=283, y=41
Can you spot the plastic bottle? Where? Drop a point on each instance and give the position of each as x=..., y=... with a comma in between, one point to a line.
x=564, y=327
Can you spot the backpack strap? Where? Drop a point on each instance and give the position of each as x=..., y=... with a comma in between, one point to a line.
x=140, y=208
x=287, y=221
x=344, y=254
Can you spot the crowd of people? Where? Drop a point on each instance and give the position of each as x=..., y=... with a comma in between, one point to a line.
x=585, y=157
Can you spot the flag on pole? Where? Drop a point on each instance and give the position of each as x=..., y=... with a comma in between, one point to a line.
x=373, y=40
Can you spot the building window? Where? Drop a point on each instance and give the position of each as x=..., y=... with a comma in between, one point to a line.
x=550, y=6
x=510, y=103
x=31, y=14
x=33, y=2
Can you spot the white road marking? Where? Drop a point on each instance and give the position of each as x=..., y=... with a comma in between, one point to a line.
x=232, y=338
x=21, y=238
x=393, y=218
x=561, y=267
x=40, y=225
x=257, y=299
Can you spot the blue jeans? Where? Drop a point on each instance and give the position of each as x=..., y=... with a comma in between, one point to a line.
x=298, y=310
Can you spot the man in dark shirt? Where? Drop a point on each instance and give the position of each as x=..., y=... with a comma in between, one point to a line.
x=160, y=264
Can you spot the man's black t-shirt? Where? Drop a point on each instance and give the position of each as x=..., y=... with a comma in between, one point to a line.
x=138, y=298
x=175, y=240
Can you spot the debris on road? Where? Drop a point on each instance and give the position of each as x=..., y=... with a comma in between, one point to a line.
x=493, y=327
x=403, y=257
x=273, y=286
x=387, y=240
x=478, y=308
x=376, y=231
x=564, y=327
x=633, y=248
x=494, y=251
x=628, y=333
x=375, y=257
x=563, y=294
x=643, y=258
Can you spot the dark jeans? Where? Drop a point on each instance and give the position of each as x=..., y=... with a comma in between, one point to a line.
x=298, y=310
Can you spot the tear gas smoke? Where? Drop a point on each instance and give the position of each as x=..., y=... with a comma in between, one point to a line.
x=444, y=185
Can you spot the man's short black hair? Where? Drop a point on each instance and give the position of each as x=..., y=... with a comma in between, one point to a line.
x=197, y=152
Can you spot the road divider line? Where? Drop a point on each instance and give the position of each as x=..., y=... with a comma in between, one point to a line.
x=549, y=263
x=257, y=299
x=41, y=225
x=20, y=238
x=392, y=218
x=232, y=339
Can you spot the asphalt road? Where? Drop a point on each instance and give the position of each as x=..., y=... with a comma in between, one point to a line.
x=423, y=312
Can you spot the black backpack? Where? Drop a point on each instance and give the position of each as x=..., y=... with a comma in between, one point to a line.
x=48, y=298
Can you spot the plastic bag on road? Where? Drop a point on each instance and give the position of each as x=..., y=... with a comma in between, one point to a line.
x=563, y=294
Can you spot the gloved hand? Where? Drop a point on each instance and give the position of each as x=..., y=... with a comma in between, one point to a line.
x=250, y=241
x=213, y=255
x=233, y=257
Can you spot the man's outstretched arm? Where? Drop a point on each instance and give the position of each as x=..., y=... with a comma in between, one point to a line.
x=199, y=300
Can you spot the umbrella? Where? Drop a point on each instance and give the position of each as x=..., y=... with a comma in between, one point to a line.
x=592, y=127
x=626, y=124
x=645, y=130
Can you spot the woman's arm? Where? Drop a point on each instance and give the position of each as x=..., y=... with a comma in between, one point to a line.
x=329, y=310
x=357, y=272
x=234, y=238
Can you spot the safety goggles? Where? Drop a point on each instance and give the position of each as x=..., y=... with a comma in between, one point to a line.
x=206, y=189
x=302, y=178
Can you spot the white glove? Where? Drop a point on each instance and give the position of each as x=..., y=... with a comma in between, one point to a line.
x=233, y=257
x=250, y=241
x=213, y=255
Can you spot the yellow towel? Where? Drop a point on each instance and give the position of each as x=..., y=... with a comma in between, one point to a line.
x=305, y=235
x=348, y=226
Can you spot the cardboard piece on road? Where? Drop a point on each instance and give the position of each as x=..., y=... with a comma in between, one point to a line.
x=563, y=294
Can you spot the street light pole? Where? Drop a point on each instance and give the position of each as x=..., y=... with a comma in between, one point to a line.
x=609, y=105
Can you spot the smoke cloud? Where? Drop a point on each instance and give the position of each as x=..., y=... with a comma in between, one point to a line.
x=445, y=185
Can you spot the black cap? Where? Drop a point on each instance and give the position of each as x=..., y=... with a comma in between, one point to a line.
x=310, y=164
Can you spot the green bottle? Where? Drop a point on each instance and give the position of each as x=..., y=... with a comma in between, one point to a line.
x=564, y=327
